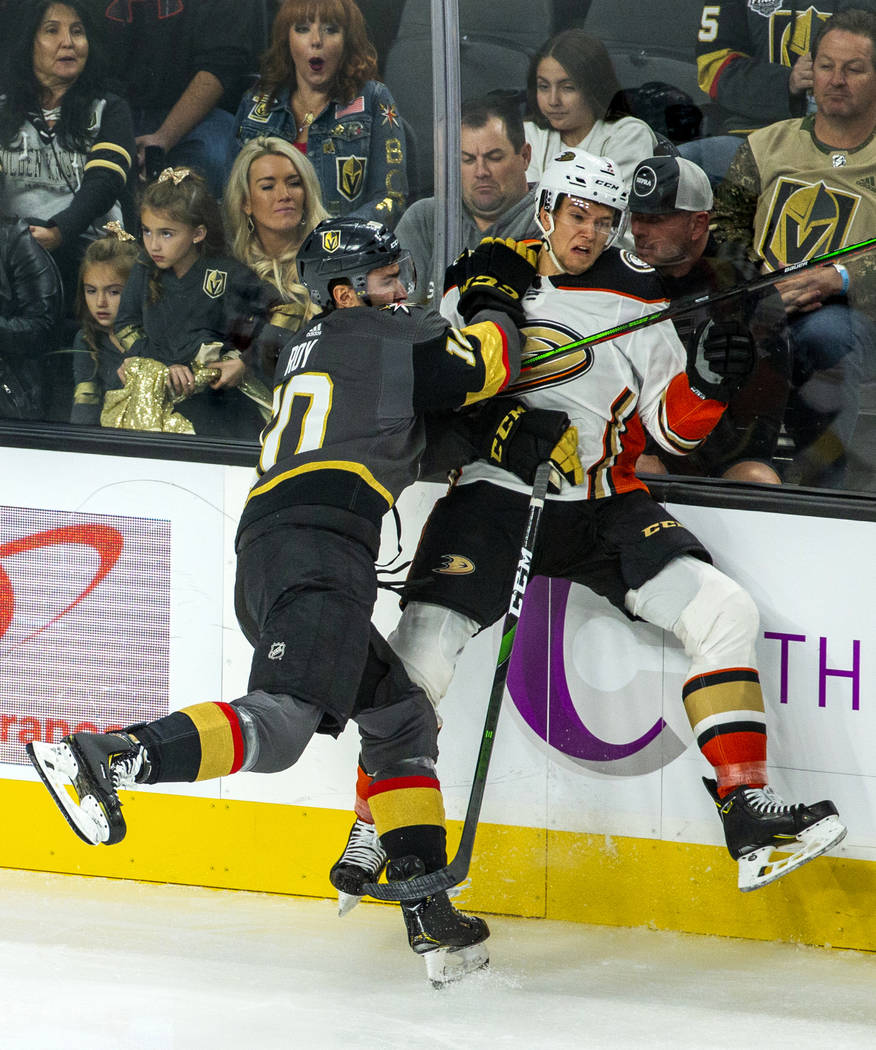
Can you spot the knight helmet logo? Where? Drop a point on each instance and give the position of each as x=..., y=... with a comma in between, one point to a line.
x=351, y=176
x=214, y=283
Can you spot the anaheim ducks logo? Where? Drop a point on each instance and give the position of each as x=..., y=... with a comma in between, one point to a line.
x=806, y=220
x=214, y=283
x=549, y=335
x=455, y=565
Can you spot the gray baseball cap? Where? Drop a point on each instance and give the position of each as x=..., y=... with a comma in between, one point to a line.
x=662, y=185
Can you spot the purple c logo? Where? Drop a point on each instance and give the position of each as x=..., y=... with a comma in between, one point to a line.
x=539, y=684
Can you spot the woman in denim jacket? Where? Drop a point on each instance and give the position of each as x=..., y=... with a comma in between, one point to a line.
x=317, y=89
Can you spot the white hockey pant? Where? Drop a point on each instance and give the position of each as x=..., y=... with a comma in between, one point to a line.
x=429, y=640
x=712, y=616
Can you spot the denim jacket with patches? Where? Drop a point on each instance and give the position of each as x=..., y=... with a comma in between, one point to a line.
x=356, y=147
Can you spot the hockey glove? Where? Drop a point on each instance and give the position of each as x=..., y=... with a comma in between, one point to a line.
x=519, y=439
x=494, y=276
x=723, y=359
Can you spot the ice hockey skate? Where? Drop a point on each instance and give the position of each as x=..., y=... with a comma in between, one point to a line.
x=451, y=943
x=770, y=837
x=83, y=773
x=362, y=861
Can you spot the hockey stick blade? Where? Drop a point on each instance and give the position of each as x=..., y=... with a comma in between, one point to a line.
x=686, y=304
x=457, y=869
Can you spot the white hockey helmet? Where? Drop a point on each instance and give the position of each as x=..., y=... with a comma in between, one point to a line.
x=577, y=173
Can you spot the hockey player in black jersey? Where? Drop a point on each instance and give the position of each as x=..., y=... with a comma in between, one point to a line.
x=347, y=435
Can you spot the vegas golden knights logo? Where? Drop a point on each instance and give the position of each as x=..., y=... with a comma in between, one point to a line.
x=214, y=283
x=261, y=110
x=806, y=220
x=331, y=240
x=351, y=176
x=791, y=32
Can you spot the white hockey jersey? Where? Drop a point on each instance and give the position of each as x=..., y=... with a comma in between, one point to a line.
x=611, y=391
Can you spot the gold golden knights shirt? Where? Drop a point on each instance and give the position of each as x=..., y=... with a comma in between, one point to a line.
x=350, y=393
x=612, y=391
x=802, y=199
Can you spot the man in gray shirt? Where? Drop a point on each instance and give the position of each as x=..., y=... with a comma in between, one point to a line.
x=496, y=199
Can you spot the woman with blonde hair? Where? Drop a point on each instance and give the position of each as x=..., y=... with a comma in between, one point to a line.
x=272, y=202
x=318, y=90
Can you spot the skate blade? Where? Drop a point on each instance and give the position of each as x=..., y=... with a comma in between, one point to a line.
x=446, y=965
x=346, y=903
x=769, y=863
x=58, y=769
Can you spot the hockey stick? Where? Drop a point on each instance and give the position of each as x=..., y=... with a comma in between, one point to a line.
x=688, y=303
x=457, y=869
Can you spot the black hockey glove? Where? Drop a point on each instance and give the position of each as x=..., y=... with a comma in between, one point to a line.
x=519, y=439
x=723, y=359
x=494, y=276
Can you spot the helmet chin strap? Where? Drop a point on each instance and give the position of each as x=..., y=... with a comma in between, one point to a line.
x=548, y=230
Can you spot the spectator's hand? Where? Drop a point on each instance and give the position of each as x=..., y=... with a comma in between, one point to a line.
x=802, y=76
x=155, y=141
x=232, y=370
x=494, y=276
x=180, y=380
x=724, y=359
x=48, y=237
x=806, y=291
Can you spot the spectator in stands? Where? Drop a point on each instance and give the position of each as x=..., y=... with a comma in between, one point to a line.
x=97, y=353
x=755, y=59
x=318, y=89
x=800, y=188
x=272, y=202
x=65, y=142
x=188, y=312
x=496, y=198
x=573, y=98
x=184, y=68
x=670, y=205
x=30, y=310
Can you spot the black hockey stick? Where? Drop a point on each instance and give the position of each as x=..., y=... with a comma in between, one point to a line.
x=688, y=303
x=457, y=869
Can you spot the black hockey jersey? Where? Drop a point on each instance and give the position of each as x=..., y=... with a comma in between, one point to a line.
x=746, y=49
x=351, y=390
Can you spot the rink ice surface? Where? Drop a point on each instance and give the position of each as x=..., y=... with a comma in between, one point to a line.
x=88, y=962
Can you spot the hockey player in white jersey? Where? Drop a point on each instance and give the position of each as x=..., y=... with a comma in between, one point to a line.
x=607, y=533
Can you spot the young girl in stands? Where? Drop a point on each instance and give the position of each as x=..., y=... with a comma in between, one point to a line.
x=97, y=358
x=187, y=313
